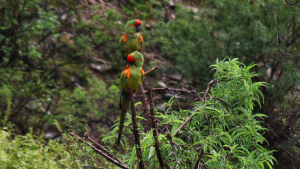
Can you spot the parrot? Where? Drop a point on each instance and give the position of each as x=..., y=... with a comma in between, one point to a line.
x=132, y=40
x=131, y=78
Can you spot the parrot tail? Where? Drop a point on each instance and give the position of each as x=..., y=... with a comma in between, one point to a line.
x=125, y=103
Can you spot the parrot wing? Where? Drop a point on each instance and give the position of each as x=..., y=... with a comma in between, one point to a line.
x=143, y=74
x=125, y=100
x=141, y=43
x=123, y=81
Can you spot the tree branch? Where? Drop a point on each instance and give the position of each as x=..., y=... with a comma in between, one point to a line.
x=101, y=148
x=211, y=83
x=177, y=90
x=209, y=87
x=136, y=134
x=150, y=71
x=153, y=121
x=292, y=3
x=144, y=100
x=114, y=161
x=185, y=123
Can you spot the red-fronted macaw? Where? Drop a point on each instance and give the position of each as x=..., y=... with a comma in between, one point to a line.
x=132, y=40
x=130, y=80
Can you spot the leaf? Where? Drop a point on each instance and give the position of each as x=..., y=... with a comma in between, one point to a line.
x=151, y=152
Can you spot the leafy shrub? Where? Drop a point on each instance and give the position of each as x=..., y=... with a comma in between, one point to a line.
x=221, y=131
x=30, y=151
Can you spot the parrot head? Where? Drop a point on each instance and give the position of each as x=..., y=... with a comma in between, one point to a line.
x=133, y=26
x=136, y=58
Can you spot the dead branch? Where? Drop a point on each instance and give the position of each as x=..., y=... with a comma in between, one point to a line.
x=185, y=123
x=160, y=106
x=209, y=87
x=169, y=137
x=153, y=121
x=292, y=3
x=101, y=148
x=144, y=100
x=175, y=98
x=114, y=161
x=150, y=71
x=136, y=134
x=176, y=90
x=211, y=83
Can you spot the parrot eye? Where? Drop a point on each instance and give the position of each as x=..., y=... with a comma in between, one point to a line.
x=139, y=59
x=130, y=25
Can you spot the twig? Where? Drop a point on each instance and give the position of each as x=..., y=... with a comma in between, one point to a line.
x=153, y=121
x=73, y=159
x=177, y=90
x=116, y=162
x=292, y=3
x=144, y=100
x=136, y=134
x=185, y=122
x=175, y=98
x=160, y=106
x=169, y=137
x=149, y=71
x=209, y=87
x=211, y=83
x=101, y=148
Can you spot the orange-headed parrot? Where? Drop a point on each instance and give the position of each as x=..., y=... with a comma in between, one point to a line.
x=130, y=80
x=132, y=40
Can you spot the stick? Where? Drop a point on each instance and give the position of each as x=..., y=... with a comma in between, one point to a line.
x=136, y=134
x=144, y=100
x=208, y=87
x=149, y=71
x=153, y=121
x=122, y=165
x=101, y=148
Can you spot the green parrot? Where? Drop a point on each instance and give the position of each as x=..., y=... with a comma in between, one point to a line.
x=131, y=78
x=132, y=40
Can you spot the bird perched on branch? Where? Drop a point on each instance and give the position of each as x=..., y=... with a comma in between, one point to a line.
x=132, y=40
x=131, y=78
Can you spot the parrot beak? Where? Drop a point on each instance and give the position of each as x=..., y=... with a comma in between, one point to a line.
x=139, y=28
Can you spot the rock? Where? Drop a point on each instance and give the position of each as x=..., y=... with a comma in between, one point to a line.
x=171, y=95
x=176, y=77
x=161, y=84
x=100, y=67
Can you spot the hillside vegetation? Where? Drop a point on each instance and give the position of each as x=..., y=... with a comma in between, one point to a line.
x=60, y=65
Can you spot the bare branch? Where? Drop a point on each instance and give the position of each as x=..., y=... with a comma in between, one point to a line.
x=116, y=162
x=292, y=3
x=169, y=137
x=177, y=90
x=101, y=148
x=153, y=121
x=211, y=83
x=160, y=106
x=144, y=100
x=150, y=71
x=184, y=123
x=136, y=134
x=209, y=87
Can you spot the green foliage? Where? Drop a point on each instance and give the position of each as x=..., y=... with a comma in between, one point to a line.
x=45, y=68
x=30, y=151
x=144, y=9
x=259, y=31
x=82, y=105
x=50, y=51
x=222, y=130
